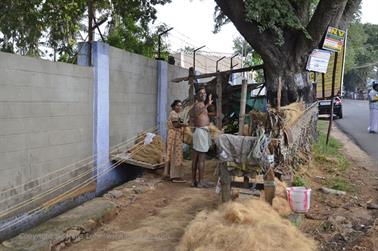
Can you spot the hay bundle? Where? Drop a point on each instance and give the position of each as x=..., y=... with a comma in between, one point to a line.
x=280, y=189
x=246, y=225
x=152, y=153
x=188, y=136
x=188, y=133
x=247, y=130
x=214, y=131
x=282, y=207
x=280, y=202
x=291, y=113
x=259, y=118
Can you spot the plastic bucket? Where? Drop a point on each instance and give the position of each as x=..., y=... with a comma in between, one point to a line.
x=299, y=198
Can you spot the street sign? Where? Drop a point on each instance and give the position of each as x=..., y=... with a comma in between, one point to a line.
x=318, y=61
x=334, y=39
x=324, y=81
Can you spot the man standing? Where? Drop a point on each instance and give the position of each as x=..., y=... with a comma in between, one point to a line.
x=199, y=119
x=373, y=105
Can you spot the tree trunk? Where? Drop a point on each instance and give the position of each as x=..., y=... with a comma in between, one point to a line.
x=295, y=86
x=288, y=60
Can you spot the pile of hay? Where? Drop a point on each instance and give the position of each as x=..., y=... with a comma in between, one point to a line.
x=291, y=113
x=246, y=225
x=188, y=133
x=280, y=202
x=152, y=153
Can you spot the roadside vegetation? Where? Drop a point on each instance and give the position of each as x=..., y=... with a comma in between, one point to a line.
x=329, y=162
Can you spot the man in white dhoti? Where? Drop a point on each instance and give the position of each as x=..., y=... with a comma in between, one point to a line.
x=373, y=107
x=199, y=118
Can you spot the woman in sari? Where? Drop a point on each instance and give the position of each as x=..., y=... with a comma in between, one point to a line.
x=173, y=168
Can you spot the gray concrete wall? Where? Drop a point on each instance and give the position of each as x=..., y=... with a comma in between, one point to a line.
x=176, y=90
x=46, y=128
x=46, y=117
x=133, y=94
x=132, y=89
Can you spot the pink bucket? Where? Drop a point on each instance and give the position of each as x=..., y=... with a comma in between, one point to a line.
x=299, y=198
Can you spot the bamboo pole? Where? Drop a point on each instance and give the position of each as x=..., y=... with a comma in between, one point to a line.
x=243, y=102
x=279, y=93
x=219, y=101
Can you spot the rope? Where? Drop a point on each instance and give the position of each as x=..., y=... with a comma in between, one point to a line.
x=72, y=164
x=85, y=183
x=41, y=195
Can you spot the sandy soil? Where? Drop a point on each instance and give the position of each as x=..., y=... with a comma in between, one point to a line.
x=156, y=219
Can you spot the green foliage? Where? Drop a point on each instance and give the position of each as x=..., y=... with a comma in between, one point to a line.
x=275, y=15
x=329, y=156
x=333, y=145
x=242, y=47
x=27, y=25
x=21, y=24
x=62, y=22
x=332, y=160
x=299, y=182
x=340, y=183
x=134, y=38
x=362, y=50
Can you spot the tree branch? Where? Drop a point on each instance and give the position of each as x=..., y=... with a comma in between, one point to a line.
x=262, y=42
x=325, y=12
x=336, y=13
x=349, y=11
x=301, y=10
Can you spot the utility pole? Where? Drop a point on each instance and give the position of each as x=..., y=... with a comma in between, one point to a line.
x=243, y=98
x=90, y=31
x=219, y=93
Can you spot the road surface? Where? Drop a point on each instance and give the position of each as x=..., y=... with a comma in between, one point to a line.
x=355, y=123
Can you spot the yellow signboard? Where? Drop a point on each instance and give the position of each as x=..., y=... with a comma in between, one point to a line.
x=334, y=39
x=334, y=73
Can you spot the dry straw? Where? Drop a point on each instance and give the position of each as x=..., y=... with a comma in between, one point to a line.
x=246, y=225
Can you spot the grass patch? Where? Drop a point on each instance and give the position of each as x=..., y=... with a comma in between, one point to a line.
x=340, y=183
x=299, y=181
x=329, y=157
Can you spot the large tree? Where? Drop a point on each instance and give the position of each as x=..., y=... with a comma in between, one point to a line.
x=26, y=26
x=284, y=32
x=361, y=59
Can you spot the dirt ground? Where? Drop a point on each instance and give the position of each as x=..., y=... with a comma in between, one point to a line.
x=153, y=214
x=344, y=222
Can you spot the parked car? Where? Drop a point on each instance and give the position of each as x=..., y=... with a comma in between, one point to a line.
x=325, y=107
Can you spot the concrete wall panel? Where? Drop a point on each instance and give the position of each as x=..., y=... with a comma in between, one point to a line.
x=46, y=120
x=133, y=94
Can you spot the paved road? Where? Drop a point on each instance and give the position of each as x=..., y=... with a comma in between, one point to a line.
x=355, y=123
